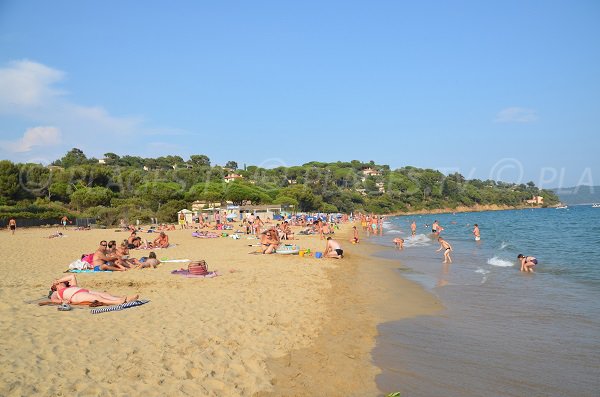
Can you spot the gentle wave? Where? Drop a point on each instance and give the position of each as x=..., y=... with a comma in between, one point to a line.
x=393, y=231
x=420, y=240
x=495, y=261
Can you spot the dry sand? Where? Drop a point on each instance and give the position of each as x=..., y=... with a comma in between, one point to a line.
x=276, y=325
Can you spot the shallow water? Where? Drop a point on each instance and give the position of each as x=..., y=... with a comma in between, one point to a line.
x=504, y=333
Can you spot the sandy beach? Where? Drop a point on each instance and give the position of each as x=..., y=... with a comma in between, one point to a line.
x=277, y=325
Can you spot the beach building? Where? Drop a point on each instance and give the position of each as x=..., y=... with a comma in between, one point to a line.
x=536, y=200
x=270, y=211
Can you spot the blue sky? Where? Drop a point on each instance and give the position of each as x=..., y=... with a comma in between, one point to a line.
x=507, y=90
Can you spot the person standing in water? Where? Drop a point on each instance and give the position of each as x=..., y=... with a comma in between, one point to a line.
x=447, y=248
x=476, y=232
x=413, y=228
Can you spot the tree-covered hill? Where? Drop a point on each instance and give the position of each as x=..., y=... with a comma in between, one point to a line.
x=132, y=187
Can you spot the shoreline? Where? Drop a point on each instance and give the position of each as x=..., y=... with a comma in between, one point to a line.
x=477, y=208
x=366, y=291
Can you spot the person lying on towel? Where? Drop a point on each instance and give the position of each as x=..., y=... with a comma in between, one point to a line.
x=66, y=290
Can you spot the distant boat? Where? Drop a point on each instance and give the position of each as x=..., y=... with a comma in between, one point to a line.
x=596, y=205
x=562, y=207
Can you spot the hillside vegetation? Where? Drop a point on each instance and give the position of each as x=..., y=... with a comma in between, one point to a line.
x=132, y=187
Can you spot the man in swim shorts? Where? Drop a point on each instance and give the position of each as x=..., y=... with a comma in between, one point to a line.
x=102, y=261
x=64, y=221
x=333, y=249
x=447, y=248
x=12, y=225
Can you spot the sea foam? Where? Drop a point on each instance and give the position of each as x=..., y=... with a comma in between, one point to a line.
x=420, y=240
x=495, y=261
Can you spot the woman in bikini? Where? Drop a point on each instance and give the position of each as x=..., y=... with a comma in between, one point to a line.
x=66, y=290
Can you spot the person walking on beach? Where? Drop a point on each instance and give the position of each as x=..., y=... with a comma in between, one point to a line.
x=64, y=221
x=12, y=225
x=413, y=228
x=355, y=239
x=476, y=232
x=447, y=248
x=527, y=263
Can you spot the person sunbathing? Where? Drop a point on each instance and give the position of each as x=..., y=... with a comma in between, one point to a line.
x=66, y=290
x=162, y=241
x=150, y=261
x=55, y=234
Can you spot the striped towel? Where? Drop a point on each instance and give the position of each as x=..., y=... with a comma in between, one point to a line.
x=118, y=307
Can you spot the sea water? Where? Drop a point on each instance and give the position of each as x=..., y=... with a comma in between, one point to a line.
x=502, y=332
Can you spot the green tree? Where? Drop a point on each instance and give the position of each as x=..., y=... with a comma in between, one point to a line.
x=60, y=191
x=231, y=165
x=73, y=157
x=158, y=193
x=9, y=181
x=87, y=197
x=168, y=212
x=199, y=160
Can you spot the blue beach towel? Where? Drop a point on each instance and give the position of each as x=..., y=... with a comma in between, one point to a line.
x=118, y=307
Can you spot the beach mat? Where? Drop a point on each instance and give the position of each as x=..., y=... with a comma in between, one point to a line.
x=186, y=273
x=116, y=308
x=175, y=260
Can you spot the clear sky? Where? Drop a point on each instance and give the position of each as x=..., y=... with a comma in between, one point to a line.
x=507, y=90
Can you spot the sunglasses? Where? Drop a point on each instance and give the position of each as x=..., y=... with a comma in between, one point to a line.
x=103, y=244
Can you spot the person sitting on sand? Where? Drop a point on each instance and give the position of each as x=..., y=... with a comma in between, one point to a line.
x=399, y=242
x=527, y=263
x=131, y=239
x=269, y=241
x=122, y=254
x=66, y=290
x=333, y=249
x=289, y=234
x=162, y=241
x=102, y=261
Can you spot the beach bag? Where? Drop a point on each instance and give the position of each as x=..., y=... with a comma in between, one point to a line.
x=198, y=268
x=80, y=265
